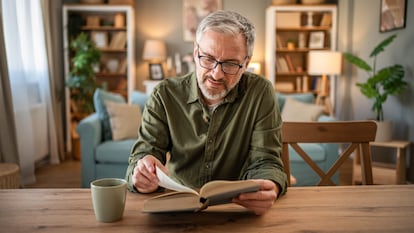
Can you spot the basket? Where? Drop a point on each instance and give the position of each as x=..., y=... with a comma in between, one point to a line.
x=9, y=176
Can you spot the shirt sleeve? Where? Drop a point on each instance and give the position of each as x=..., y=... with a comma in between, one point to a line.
x=153, y=136
x=264, y=161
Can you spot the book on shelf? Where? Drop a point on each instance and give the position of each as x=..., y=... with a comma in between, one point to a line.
x=326, y=20
x=284, y=87
x=279, y=42
x=122, y=69
x=282, y=64
x=185, y=199
x=289, y=62
x=118, y=41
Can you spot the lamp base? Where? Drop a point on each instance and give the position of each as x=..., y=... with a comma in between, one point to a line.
x=325, y=100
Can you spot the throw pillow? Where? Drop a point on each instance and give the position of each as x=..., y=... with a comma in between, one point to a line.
x=302, y=97
x=139, y=98
x=297, y=111
x=125, y=120
x=99, y=98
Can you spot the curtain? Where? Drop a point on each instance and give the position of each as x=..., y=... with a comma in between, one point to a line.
x=31, y=89
x=53, y=48
x=8, y=140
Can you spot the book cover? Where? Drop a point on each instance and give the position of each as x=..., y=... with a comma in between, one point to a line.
x=283, y=64
x=118, y=41
x=185, y=199
x=326, y=20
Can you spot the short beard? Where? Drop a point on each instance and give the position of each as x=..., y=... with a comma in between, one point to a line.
x=210, y=96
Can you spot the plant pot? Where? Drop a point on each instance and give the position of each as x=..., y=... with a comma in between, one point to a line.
x=384, y=131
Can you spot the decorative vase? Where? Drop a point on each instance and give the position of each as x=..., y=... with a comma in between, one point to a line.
x=384, y=131
x=112, y=65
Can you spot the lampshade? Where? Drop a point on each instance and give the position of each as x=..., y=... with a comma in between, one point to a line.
x=154, y=51
x=324, y=62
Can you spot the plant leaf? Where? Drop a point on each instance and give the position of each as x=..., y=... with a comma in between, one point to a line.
x=358, y=62
x=381, y=46
x=395, y=84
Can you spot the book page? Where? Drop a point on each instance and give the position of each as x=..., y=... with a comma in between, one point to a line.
x=168, y=183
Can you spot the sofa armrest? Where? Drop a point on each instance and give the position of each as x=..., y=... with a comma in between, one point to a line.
x=90, y=134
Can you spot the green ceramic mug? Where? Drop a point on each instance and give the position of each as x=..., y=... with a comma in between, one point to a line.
x=108, y=198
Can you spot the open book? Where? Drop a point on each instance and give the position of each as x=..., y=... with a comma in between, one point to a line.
x=186, y=199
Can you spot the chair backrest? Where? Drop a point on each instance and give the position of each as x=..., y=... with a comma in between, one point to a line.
x=356, y=135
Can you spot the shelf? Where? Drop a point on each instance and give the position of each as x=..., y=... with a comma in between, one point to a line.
x=103, y=28
x=109, y=50
x=113, y=27
x=304, y=29
x=110, y=74
x=297, y=50
x=291, y=73
x=286, y=63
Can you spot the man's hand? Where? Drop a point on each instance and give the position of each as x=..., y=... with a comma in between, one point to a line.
x=259, y=202
x=144, y=176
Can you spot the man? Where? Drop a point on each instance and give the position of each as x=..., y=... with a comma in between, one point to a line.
x=216, y=123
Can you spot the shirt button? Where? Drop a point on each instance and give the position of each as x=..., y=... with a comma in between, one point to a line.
x=207, y=166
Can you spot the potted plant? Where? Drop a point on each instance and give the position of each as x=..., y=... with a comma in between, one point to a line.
x=81, y=82
x=380, y=83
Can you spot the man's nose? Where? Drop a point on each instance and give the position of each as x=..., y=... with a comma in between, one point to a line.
x=217, y=71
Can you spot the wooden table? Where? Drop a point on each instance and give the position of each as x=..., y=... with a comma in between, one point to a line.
x=311, y=209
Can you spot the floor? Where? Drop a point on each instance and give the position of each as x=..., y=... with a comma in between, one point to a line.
x=64, y=175
x=68, y=175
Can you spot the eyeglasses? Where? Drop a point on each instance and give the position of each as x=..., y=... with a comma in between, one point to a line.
x=227, y=67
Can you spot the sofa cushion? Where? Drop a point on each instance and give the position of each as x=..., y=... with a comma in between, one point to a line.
x=125, y=120
x=139, y=98
x=298, y=111
x=114, y=151
x=99, y=98
x=302, y=97
x=315, y=151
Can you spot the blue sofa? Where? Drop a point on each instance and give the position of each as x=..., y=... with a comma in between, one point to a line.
x=319, y=152
x=97, y=150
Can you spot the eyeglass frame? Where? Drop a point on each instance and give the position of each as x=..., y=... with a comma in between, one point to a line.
x=217, y=62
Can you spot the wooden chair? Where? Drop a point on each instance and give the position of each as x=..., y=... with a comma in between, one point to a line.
x=354, y=134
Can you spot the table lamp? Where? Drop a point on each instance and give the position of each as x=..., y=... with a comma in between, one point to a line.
x=324, y=63
x=155, y=53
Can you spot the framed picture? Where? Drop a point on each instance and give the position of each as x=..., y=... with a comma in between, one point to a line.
x=100, y=39
x=393, y=15
x=155, y=71
x=193, y=12
x=316, y=40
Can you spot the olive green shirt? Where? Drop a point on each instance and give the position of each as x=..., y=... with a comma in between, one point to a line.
x=239, y=139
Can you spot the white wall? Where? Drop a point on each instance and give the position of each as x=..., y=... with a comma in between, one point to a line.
x=359, y=34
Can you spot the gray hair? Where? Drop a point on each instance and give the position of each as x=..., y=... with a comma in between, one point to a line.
x=228, y=22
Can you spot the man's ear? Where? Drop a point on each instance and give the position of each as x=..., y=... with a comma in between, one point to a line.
x=195, y=54
x=248, y=59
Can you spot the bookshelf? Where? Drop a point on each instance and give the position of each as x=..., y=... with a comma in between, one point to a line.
x=291, y=32
x=111, y=27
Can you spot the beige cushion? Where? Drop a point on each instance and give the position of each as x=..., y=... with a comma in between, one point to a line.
x=125, y=120
x=294, y=110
